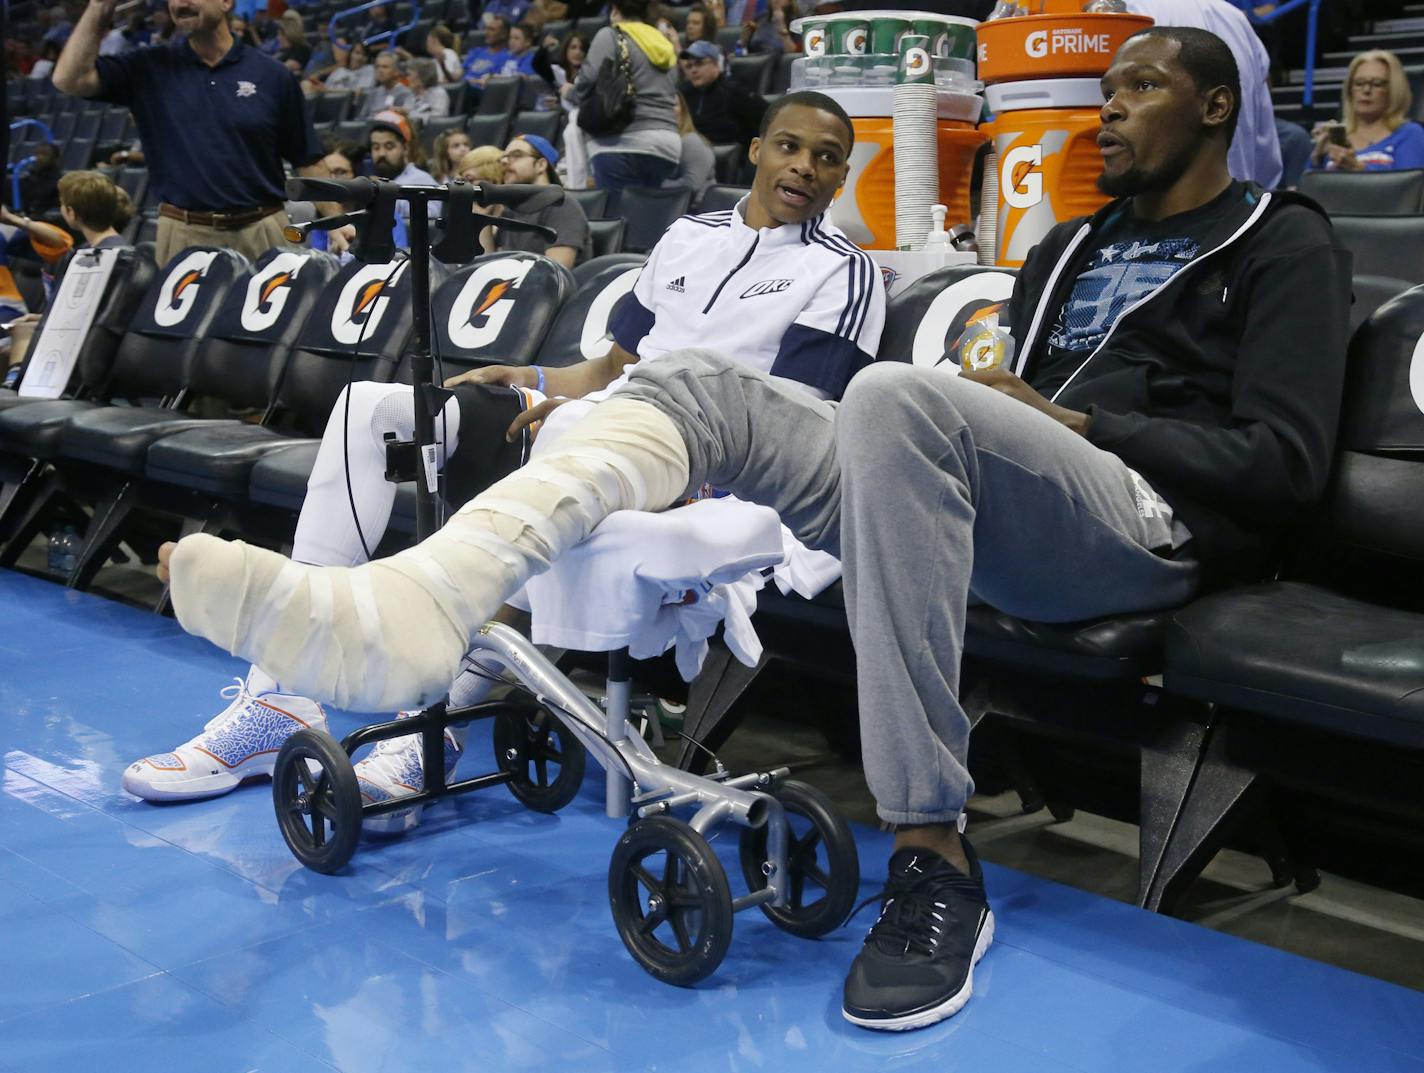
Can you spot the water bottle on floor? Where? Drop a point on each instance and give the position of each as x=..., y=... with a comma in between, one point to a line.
x=64, y=544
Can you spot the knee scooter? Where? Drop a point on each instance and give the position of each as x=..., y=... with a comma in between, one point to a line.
x=668, y=891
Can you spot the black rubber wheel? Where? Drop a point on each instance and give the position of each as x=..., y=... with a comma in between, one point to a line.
x=317, y=800
x=545, y=758
x=821, y=857
x=670, y=900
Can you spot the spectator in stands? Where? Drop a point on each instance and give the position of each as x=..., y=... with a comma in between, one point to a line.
x=44, y=66
x=1153, y=445
x=121, y=38
x=529, y=158
x=510, y=11
x=646, y=152
x=722, y=110
x=39, y=183
x=264, y=30
x=218, y=174
x=771, y=31
x=805, y=338
x=1376, y=133
x=485, y=60
x=450, y=150
x=701, y=25
x=388, y=92
x=343, y=161
x=380, y=20
x=323, y=55
x=429, y=99
x=160, y=29
x=352, y=72
x=292, y=43
x=440, y=46
x=570, y=62
x=519, y=59
x=697, y=167
x=396, y=155
x=483, y=164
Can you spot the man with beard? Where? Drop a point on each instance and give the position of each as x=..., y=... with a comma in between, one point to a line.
x=393, y=156
x=216, y=118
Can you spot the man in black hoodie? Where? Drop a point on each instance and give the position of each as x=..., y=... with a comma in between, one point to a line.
x=1165, y=408
x=722, y=111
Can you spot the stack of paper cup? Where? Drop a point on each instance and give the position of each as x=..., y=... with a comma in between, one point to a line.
x=916, y=145
x=987, y=232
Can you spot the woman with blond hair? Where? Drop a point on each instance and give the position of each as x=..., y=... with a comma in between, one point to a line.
x=1375, y=135
x=484, y=164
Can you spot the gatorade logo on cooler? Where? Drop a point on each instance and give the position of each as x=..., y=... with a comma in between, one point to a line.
x=855, y=41
x=815, y=43
x=1020, y=180
x=1066, y=41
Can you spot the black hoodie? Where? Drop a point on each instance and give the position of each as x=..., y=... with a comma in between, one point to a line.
x=1221, y=387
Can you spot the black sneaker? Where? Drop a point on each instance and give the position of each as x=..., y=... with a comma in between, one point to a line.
x=917, y=965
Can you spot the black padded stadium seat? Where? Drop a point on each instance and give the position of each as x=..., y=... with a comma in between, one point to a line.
x=497, y=310
x=369, y=304
x=433, y=128
x=781, y=80
x=1384, y=245
x=155, y=361
x=128, y=284
x=1371, y=292
x=593, y=202
x=500, y=98
x=930, y=314
x=152, y=357
x=607, y=236
x=558, y=27
x=243, y=362
x=728, y=38
x=488, y=130
x=1341, y=646
x=581, y=330
x=546, y=125
x=754, y=72
x=590, y=268
x=1366, y=193
x=650, y=211
x=720, y=198
x=331, y=107
x=727, y=161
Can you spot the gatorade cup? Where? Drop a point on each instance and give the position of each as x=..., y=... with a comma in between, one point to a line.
x=846, y=42
x=885, y=35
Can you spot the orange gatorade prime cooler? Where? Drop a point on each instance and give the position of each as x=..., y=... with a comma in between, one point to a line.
x=1042, y=73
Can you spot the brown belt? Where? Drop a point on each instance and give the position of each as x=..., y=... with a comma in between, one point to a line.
x=220, y=221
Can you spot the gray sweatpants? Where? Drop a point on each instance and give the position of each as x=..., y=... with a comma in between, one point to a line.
x=929, y=488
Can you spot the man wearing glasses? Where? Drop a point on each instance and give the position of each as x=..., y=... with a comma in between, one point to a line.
x=530, y=159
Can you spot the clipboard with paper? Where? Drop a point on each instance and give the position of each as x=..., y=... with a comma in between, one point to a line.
x=71, y=314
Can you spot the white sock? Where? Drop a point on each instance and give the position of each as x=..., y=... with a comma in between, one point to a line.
x=260, y=682
x=391, y=634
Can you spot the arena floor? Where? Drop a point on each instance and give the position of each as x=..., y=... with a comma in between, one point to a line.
x=139, y=937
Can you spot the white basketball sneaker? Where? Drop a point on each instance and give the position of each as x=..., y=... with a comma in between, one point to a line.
x=395, y=768
x=239, y=743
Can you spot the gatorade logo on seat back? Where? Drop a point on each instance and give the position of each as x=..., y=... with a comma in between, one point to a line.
x=268, y=291
x=952, y=309
x=1416, y=374
x=363, y=302
x=181, y=287
x=484, y=303
x=595, y=341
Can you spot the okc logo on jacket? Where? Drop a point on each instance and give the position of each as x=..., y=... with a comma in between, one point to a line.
x=181, y=288
x=363, y=302
x=485, y=302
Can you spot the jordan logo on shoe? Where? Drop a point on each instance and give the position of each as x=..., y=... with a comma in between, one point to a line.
x=679, y=285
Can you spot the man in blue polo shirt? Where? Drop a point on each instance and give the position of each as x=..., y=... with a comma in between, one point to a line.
x=216, y=118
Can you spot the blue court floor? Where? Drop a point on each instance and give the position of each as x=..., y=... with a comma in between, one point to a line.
x=141, y=937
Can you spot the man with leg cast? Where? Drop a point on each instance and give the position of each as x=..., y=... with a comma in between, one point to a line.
x=773, y=278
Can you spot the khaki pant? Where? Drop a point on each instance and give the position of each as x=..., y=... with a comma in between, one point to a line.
x=251, y=241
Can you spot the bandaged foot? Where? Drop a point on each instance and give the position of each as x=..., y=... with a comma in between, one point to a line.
x=390, y=634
